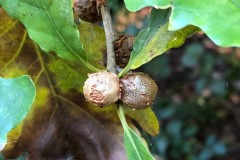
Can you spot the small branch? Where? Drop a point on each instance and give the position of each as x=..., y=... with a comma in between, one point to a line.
x=110, y=37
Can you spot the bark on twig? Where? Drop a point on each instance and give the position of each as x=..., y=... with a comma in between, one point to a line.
x=110, y=37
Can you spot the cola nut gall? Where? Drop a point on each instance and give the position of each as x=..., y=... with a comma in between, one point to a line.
x=102, y=88
x=138, y=90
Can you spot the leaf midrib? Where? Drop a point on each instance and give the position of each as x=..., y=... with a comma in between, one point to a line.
x=126, y=130
x=54, y=26
x=132, y=141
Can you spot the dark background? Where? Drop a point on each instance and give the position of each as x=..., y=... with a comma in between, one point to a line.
x=198, y=102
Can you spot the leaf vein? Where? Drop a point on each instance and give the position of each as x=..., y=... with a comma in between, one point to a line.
x=61, y=37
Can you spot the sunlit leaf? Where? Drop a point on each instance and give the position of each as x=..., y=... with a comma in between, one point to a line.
x=16, y=98
x=156, y=39
x=219, y=19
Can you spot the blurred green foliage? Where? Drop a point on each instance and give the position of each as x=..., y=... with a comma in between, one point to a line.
x=196, y=89
x=198, y=99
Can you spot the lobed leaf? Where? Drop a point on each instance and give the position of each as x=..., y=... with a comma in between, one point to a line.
x=16, y=98
x=219, y=19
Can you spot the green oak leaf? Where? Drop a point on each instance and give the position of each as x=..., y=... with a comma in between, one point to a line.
x=156, y=40
x=219, y=19
x=135, y=148
x=50, y=23
x=16, y=98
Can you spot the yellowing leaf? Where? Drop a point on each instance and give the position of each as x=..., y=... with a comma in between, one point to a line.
x=146, y=119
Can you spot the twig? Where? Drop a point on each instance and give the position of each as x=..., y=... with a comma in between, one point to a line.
x=110, y=37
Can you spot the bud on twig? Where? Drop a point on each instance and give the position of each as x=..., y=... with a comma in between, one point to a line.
x=123, y=47
x=87, y=10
